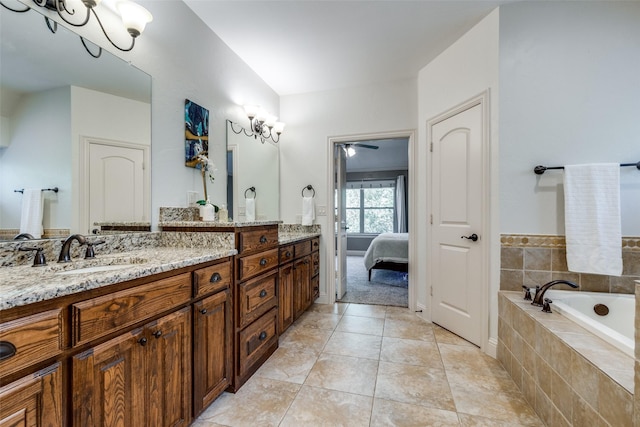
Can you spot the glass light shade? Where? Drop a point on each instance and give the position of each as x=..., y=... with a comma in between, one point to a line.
x=278, y=127
x=262, y=115
x=270, y=120
x=251, y=110
x=91, y=3
x=134, y=17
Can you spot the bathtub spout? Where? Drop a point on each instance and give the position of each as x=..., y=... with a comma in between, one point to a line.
x=539, y=298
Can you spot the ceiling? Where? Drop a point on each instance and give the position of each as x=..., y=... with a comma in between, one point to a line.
x=392, y=154
x=300, y=46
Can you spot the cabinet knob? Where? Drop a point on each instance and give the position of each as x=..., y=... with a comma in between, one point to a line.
x=215, y=277
x=203, y=311
x=315, y=243
x=263, y=262
x=263, y=239
x=288, y=254
x=157, y=334
x=262, y=336
x=7, y=350
x=142, y=341
x=263, y=293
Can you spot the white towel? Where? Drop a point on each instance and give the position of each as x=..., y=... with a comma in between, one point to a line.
x=250, y=209
x=308, y=211
x=31, y=215
x=592, y=218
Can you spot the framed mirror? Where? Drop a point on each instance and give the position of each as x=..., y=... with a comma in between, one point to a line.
x=68, y=119
x=253, y=171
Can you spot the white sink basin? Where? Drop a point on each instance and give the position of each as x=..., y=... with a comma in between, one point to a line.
x=95, y=269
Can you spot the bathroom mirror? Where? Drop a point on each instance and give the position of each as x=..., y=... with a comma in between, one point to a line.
x=58, y=107
x=252, y=163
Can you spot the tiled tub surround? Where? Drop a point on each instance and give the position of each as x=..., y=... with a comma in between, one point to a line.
x=537, y=259
x=569, y=376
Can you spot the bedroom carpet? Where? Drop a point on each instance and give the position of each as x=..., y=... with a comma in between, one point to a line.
x=386, y=287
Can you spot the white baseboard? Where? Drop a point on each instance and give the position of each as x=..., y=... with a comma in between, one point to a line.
x=492, y=347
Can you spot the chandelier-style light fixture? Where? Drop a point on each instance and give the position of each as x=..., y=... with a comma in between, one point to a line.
x=134, y=17
x=262, y=125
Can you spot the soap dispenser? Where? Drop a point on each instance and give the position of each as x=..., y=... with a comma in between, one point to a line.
x=223, y=214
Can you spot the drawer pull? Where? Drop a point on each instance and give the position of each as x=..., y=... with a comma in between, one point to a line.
x=288, y=254
x=157, y=334
x=263, y=293
x=263, y=239
x=263, y=262
x=262, y=336
x=215, y=277
x=142, y=341
x=315, y=243
x=7, y=350
x=203, y=311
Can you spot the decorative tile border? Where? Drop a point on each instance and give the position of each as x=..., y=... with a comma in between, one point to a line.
x=551, y=241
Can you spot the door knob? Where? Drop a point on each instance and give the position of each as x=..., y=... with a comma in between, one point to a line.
x=474, y=237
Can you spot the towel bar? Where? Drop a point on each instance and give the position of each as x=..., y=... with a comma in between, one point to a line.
x=539, y=170
x=54, y=189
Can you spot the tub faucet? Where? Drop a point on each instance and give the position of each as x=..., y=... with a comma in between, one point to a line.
x=65, y=252
x=539, y=298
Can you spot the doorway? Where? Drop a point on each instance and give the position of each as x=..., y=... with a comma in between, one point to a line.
x=370, y=177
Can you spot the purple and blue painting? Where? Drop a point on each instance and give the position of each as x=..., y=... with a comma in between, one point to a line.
x=196, y=123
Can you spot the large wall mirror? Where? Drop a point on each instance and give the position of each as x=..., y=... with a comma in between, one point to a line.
x=252, y=164
x=74, y=122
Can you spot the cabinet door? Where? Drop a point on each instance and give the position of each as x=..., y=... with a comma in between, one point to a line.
x=285, y=298
x=33, y=401
x=169, y=370
x=109, y=383
x=301, y=290
x=212, y=337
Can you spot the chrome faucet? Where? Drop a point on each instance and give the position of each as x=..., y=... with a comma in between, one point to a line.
x=539, y=298
x=65, y=252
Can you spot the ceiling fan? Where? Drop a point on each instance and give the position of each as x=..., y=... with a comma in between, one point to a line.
x=350, y=150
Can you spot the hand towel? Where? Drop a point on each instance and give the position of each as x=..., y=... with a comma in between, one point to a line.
x=308, y=211
x=31, y=215
x=250, y=209
x=592, y=218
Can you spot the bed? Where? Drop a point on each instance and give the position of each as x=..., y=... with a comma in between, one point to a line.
x=388, y=251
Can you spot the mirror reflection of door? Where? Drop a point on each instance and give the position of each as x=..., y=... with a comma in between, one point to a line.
x=116, y=187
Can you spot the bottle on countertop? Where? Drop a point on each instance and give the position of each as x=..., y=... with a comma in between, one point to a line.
x=223, y=214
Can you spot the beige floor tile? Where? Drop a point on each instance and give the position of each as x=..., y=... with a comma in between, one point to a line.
x=319, y=407
x=495, y=398
x=344, y=373
x=361, y=325
x=418, y=385
x=337, y=308
x=315, y=320
x=356, y=345
x=203, y=423
x=403, y=313
x=467, y=420
x=260, y=402
x=288, y=364
x=366, y=310
x=305, y=339
x=469, y=360
x=445, y=337
x=389, y=413
x=408, y=329
x=410, y=352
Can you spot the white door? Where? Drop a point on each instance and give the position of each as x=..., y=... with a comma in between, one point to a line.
x=457, y=194
x=341, y=221
x=116, y=183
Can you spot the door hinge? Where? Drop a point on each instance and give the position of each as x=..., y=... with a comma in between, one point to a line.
x=431, y=290
x=431, y=219
x=431, y=147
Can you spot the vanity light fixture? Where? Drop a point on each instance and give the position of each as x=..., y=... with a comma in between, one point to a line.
x=134, y=18
x=262, y=124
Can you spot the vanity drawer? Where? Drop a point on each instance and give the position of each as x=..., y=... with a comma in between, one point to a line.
x=315, y=263
x=257, y=341
x=103, y=315
x=212, y=279
x=286, y=253
x=253, y=265
x=30, y=339
x=256, y=297
x=257, y=240
x=303, y=248
x=315, y=244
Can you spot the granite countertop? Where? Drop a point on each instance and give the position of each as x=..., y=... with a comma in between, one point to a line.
x=24, y=285
x=204, y=224
x=284, y=238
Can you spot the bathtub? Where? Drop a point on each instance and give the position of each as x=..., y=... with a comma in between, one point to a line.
x=616, y=328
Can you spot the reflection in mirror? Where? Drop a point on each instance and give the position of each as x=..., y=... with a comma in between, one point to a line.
x=68, y=119
x=251, y=163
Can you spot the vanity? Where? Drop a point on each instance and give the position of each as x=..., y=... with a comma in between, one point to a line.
x=150, y=336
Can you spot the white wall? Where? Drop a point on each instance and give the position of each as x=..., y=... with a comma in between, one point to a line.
x=464, y=70
x=569, y=94
x=314, y=117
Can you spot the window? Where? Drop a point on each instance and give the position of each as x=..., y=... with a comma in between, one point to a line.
x=370, y=207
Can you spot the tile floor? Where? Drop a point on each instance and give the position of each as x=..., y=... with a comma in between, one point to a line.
x=366, y=365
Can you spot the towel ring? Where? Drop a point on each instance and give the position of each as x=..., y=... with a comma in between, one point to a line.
x=310, y=188
x=253, y=190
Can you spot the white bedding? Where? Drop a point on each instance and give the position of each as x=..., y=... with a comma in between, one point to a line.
x=387, y=247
